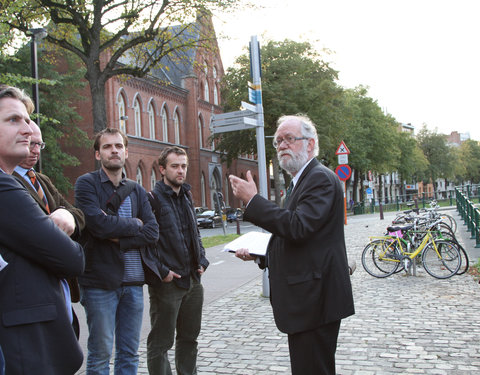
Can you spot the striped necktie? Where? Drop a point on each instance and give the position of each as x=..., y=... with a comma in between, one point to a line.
x=36, y=185
x=289, y=191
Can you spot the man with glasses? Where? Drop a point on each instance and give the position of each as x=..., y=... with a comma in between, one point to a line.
x=35, y=331
x=310, y=288
x=67, y=217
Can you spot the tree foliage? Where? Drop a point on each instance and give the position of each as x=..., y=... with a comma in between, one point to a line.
x=295, y=79
x=58, y=115
x=116, y=37
x=438, y=154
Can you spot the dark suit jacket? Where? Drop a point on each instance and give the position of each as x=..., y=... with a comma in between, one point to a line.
x=307, y=261
x=55, y=200
x=35, y=332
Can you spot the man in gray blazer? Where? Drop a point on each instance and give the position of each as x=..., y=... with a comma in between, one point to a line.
x=310, y=288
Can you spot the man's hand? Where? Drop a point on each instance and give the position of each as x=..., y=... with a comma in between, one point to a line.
x=171, y=275
x=64, y=220
x=244, y=254
x=244, y=190
x=201, y=270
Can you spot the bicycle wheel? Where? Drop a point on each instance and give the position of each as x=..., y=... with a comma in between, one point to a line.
x=442, y=260
x=450, y=221
x=379, y=258
x=465, y=262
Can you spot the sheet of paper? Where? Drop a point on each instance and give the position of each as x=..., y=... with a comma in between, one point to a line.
x=255, y=242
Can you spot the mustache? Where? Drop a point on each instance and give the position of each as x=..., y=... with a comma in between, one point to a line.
x=285, y=152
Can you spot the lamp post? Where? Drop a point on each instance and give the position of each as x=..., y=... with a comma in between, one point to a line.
x=37, y=35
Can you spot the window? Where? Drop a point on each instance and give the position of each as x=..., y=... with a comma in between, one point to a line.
x=176, y=124
x=153, y=179
x=200, y=132
x=206, y=94
x=138, y=118
x=139, y=176
x=215, y=95
x=121, y=114
x=151, y=120
x=214, y=72
x=164, y=117
x=203, y=191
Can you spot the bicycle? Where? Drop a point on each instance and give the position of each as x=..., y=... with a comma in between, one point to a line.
x=383, y=255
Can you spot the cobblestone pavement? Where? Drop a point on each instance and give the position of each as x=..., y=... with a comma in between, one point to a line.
x=403, y=324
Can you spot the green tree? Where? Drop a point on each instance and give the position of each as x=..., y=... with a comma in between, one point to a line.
x=295, y=79
x=369, y=134
x=438, y=154
x=412, y=163
x=58, y=115
x=116, y=37
x=469, y=157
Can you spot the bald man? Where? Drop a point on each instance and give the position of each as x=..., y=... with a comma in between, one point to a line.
x=67, y=217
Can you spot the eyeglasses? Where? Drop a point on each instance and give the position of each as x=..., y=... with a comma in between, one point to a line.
x=289, y=139
x=39, y=144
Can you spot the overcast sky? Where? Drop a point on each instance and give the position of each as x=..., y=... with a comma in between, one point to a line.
x=419, y=58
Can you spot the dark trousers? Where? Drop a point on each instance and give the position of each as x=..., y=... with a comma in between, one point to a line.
x=174, y=310
x=313, y=352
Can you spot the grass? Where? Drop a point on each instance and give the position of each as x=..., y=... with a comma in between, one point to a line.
x=218, y=240
x=475, y=270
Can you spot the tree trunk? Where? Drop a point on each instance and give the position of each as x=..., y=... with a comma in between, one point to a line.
x=97, y=82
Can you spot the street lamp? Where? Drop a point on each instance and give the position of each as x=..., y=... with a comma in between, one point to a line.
x=37, y=35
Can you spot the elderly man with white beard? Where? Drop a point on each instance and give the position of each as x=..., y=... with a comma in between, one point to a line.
x=310, y=288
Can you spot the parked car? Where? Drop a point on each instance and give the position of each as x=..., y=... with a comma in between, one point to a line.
x=199, y=210
x=209, y=219
x=234, y=214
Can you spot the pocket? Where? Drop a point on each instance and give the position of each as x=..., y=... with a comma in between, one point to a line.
x=29, y=315
x=303, y=277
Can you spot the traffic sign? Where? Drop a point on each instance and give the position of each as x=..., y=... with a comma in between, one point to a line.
x=342, y=159
x=342, y=149
x=343, y=172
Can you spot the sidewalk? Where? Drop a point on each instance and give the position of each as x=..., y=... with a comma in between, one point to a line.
x=403, y=324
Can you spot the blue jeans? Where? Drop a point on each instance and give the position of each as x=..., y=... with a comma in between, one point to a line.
x=113, y=313
x=174, y=309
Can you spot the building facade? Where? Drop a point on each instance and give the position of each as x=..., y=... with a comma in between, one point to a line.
x=172, y=106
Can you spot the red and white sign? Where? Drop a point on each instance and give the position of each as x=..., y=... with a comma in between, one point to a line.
x=342, y=149
x=343, y=172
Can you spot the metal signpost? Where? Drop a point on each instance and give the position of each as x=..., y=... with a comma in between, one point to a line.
x=343, y=172
x=250, y=117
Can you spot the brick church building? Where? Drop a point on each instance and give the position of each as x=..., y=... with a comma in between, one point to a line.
x=172, y=106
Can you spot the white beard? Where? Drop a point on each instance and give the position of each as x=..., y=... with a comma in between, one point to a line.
x=294, y=163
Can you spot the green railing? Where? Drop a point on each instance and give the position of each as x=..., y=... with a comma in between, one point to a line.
x=468, y=212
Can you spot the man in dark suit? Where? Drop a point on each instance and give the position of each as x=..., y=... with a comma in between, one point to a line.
x=310, y=288
x=35, y=332
x=67, y=217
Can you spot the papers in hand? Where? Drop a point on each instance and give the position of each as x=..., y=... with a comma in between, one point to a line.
x=255, y=242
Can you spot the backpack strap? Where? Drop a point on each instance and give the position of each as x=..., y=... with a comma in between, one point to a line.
x=123, y=191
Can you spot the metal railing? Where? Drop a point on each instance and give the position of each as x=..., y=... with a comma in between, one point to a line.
x=468, y=212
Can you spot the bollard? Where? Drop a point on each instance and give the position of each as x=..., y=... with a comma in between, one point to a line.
x=265, y=284
x=381, y=211
x=238, y=225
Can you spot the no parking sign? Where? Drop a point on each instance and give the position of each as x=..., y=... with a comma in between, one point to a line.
x=343, y=172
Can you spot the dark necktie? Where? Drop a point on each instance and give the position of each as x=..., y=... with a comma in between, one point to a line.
x=289, y=191
x=36, y=185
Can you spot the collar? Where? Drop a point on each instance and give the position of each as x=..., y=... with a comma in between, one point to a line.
x=105, y=178
x=21, y=171
x=184, y=189
x=297, y=176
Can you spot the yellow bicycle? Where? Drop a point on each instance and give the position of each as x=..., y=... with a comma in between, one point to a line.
x=384, y=255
